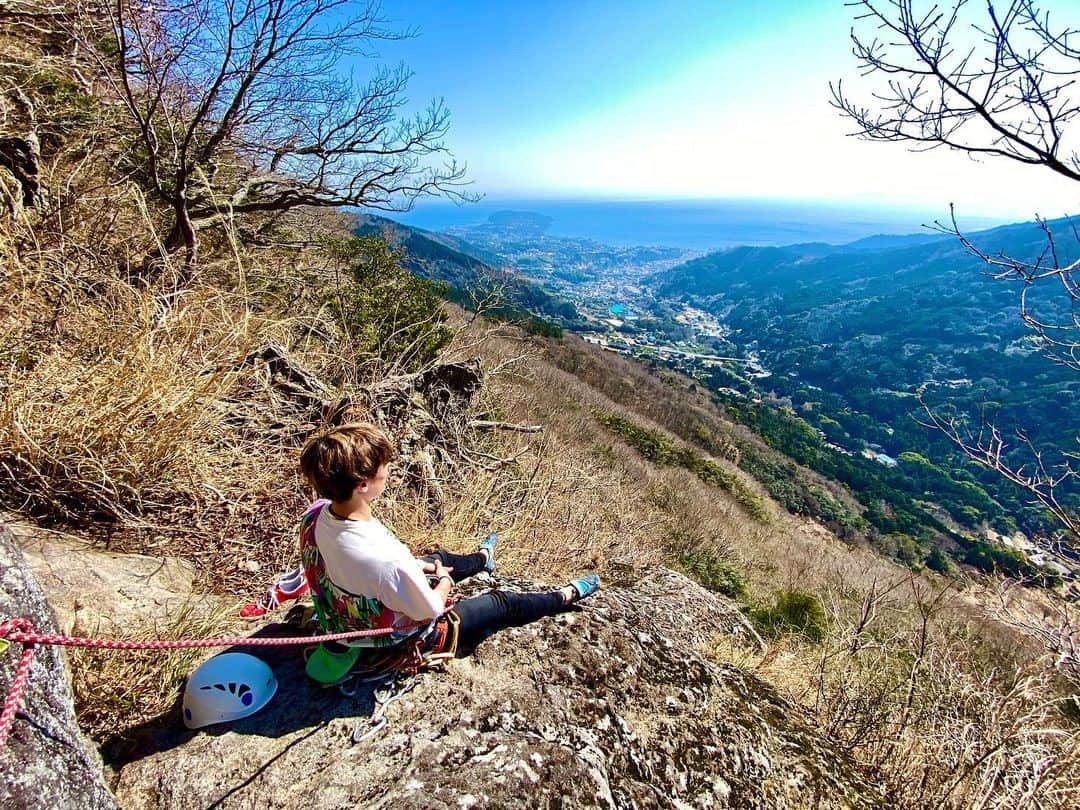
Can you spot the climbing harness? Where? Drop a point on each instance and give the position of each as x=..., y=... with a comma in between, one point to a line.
x=394, y=672
x=440, y=648
x=22, y=631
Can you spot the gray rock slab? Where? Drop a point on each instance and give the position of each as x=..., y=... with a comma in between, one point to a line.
x=46, y=762
x=98, y=592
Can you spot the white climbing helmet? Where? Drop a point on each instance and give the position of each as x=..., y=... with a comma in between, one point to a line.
x=227, y=687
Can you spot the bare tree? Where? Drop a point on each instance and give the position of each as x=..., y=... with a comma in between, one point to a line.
x=994, y=79
x=242, y=107
x=1043, y=476
x=999, y=85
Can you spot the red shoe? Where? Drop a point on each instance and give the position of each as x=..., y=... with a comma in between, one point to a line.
x=288, y=586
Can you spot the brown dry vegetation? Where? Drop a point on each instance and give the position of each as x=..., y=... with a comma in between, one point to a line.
x=132, y=412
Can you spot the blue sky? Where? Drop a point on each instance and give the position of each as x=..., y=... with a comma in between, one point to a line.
x=670, y=100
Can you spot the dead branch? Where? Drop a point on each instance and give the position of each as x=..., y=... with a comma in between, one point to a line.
x=1042, y=481
x=483, y=424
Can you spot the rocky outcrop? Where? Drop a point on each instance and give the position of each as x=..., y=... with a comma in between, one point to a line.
x=613, y=704
x=97, y=592
x=426, y=413
x=46, y=762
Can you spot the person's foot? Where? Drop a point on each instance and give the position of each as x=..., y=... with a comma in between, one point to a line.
x=578, y=589
x=291, y=585
x=487, y=546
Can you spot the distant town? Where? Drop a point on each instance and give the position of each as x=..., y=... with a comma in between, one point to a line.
x=616, y=310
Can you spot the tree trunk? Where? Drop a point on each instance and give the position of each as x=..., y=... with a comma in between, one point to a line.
x=182, y=235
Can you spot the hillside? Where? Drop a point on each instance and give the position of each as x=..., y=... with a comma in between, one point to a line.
x=166, y=348
x=871, y=324
x=475, y=277
x=853, y=333
x=809, y=345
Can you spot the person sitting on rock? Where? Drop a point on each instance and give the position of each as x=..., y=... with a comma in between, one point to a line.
x=362, y=576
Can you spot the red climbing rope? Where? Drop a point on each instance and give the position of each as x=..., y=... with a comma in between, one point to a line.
x=22, y=672
x=22, y=631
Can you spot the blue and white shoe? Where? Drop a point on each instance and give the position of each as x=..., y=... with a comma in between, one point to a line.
x=585, y=586
x=488, y=545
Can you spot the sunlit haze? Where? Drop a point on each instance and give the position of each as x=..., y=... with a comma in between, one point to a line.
x=652, y=100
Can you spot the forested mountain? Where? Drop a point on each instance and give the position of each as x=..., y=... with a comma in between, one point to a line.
x=852, y=333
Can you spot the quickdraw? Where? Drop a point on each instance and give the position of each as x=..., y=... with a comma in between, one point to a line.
x=397, y=681
x=392, y=690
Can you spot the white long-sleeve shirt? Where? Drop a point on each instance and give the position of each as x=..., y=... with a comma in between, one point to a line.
x=366, y=559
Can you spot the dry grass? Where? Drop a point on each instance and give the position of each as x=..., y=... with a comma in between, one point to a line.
x=939, y=711
x=557, y=510
x=103, y=428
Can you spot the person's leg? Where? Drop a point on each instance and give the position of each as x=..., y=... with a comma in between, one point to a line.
x=496, y=610
x=464, y=565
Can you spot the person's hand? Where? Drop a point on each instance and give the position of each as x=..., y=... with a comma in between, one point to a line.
x=429, y=567
x=441, y=570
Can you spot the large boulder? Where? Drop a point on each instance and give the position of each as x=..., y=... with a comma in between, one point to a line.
x=94, y=592
x=613, y=704
x=46, y=762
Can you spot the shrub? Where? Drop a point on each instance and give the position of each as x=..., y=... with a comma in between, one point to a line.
x=391, y=319
x=938, y=561
x=711, y=570
x=990, y=558
x=793, y=611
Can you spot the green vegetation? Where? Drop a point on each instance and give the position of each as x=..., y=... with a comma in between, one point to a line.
x=892, y=496
x=661, y=450
x=848, y=360
x=708, y=567
x=937, y=561
x=472, y=283
x=784, y=481
x=390, y=318
x=791, y=612
x=508, y=313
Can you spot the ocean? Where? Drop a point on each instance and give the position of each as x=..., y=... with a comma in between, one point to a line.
x=694, y=225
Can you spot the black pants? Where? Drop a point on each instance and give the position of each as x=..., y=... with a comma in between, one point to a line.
x=484, y=614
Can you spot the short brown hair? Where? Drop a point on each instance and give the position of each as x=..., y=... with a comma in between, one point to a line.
x=336, y=461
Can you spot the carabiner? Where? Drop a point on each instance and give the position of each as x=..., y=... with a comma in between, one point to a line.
x=375, y=728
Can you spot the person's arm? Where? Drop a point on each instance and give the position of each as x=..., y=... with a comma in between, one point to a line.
x=445, y=583
x=411, y=593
